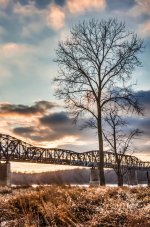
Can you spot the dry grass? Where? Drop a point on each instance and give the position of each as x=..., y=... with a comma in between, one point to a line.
x=74, y=206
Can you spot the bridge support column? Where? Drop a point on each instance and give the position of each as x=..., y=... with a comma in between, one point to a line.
x=5, y=174
x=132, y=177
x=148, y=178
x=94, y=177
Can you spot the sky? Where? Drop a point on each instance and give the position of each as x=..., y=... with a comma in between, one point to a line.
x=29, y=36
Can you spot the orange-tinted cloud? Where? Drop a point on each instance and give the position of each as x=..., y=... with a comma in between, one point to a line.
x=144, y=29
x=40, y=107
x=79, y=6
x=10, y=48
x=13, y=49
x=4, y=3
x=54, y=128
x=141, y=7
x=56, y=17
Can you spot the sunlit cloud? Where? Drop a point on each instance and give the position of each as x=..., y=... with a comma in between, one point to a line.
x=141, y=7
x=79, y=6
x=67, y=139
x=14, y=49
x=40, y=107
x=144, y=29
x=4, y=3
x=41, y=125
x=56, y=17
x=26, y=10
x=53, y=17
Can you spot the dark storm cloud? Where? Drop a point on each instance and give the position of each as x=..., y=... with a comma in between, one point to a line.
x=141, y=123
x=59, y=123
x=144, y=98
x=52, y=127
x=55, y=119
x=38, y=107
x=23, y=130
x=141, y=144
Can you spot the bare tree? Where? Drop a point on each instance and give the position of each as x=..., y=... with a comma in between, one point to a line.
x=95, y=66
x=119, y=140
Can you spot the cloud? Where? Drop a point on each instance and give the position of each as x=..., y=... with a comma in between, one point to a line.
x=56, y=129
x=26, y=10
x=4, y=3
x=55, y=119
x=144, y=99
x=14, y=49
x=23, y=130
x=5, y=74
x=53, y=16
x=79, y=6
x=32, y=28
x=59, y=122
x=40, y=107
x=2, y=31
x=56, y=17
x=144, y=29
x=52, y=127
x=141, y=7
x=31, y=18
x=36, y=124
x=143, y=123
x=23, y=62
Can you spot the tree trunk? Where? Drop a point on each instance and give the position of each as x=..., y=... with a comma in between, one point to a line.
x=101, y=152
x=120, y=179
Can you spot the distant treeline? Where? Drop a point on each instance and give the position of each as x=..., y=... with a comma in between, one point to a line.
x=74, y=176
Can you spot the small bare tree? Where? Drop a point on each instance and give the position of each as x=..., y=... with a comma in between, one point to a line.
x=119, y=140
x=95, y=66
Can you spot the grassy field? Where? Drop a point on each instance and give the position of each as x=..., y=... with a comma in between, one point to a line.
x=74, y=206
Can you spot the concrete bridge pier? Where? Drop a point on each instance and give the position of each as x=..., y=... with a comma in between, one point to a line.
x=5, y=174
x=94, y=177
x=132, y=177
x=148, y=178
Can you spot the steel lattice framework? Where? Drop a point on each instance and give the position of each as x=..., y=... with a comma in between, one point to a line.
x=13, y=149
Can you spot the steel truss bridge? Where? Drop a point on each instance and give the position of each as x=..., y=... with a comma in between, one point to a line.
x=13, y=149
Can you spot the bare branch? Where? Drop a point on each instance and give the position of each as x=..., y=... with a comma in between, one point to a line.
x=95, y=72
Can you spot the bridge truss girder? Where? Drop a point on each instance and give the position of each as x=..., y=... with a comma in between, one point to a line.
x=13, y=149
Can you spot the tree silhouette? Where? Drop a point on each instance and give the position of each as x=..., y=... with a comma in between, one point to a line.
x=95, y=66
x=119, y=139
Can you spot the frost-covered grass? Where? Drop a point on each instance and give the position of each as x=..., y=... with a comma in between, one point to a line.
x=74, y=206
